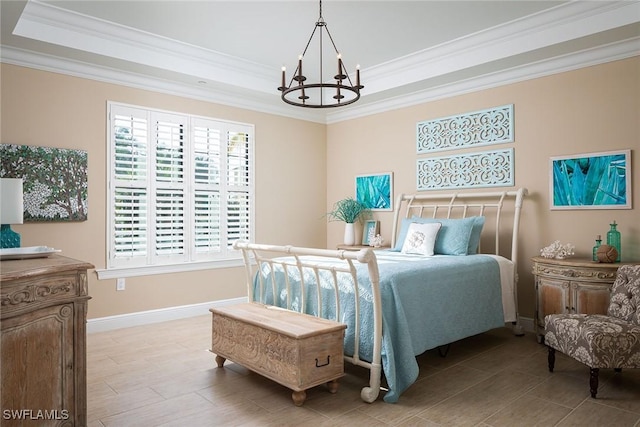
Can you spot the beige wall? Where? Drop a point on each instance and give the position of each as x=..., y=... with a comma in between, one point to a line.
x=49, y=109
x=588, y=110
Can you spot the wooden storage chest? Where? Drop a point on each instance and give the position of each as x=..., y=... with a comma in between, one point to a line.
x=296, y=350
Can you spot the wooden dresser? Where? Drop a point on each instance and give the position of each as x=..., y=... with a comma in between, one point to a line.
x=572, y=285
x=43, y=303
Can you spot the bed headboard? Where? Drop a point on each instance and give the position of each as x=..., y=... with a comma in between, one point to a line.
x=497, y=207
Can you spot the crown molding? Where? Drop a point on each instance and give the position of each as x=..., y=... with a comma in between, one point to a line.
x=586, y=58
x=562, y=23
x=567, y=21
x=612, y=52
x=48, y=23
x=28, y=59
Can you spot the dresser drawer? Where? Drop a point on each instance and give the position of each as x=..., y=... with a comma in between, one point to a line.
x=594, y=273
x=32, y=293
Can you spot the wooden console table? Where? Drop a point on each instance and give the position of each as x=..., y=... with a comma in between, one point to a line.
x=43, y=333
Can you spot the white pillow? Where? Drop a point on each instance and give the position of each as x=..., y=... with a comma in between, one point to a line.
x=421, y=238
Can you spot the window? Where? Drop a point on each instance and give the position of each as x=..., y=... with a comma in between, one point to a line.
x=180, y=189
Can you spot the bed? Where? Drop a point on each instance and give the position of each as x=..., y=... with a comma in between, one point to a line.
x=430, y=289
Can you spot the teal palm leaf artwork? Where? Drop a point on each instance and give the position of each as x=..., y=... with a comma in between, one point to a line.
x=374, y=191
x=590, y=181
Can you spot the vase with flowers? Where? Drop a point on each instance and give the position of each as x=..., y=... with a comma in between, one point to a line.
x=348, y=211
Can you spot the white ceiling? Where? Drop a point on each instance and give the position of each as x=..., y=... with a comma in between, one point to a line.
x=231, y=52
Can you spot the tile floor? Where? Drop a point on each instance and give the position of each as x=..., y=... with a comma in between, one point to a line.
x=164, y=375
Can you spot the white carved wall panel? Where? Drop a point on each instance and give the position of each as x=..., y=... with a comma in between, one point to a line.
x=479, y=169
x=478, y=128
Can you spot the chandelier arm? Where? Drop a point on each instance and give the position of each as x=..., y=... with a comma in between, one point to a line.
x=337, y=53
x=310, y=38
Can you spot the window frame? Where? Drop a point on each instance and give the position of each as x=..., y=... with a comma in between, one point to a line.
x=191, y=259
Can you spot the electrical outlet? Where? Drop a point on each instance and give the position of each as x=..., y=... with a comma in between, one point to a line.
x=120, y=284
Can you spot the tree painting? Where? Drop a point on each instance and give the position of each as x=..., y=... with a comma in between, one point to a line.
x=55, y=181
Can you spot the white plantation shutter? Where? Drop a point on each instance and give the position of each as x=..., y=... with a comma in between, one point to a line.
x=238, y=180
x=130, y=225
x=207, y=158
x=129, y=208
x=180, y=187
x=170, y=187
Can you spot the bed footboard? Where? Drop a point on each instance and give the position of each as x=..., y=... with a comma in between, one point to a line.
x=333, y=266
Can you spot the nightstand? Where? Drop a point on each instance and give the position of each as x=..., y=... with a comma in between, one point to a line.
x=572, y=285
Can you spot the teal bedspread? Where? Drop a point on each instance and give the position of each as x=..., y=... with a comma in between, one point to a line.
x=426, y=302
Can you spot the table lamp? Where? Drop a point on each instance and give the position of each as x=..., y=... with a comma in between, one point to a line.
x=11, y=207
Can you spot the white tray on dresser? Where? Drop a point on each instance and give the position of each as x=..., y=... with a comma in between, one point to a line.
x=27, y=252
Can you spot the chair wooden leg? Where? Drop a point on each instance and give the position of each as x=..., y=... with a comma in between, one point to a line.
x=593, y=381
x=551, y=358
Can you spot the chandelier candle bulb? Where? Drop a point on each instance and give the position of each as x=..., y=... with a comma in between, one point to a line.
x=300, y=68
x=283, y=77
x=358, y=75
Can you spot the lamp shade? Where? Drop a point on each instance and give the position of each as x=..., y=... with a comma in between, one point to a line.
x=11, y=204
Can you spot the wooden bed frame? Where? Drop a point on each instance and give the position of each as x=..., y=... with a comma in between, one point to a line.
x=492, y=205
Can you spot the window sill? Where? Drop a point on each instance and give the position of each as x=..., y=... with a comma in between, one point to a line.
x=115, y=273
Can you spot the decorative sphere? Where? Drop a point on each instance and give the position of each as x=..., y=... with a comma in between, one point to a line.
x=607, y=253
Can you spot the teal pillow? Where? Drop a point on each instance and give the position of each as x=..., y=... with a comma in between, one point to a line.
x=476, y=230
x=455, y=236
x=404, y=227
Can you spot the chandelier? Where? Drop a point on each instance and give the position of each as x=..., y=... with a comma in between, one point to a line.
x=323, y=94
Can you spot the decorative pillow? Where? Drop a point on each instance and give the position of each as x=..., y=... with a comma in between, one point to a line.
x=454, y=237
x=421, y=238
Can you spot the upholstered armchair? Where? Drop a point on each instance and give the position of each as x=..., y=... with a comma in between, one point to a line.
x=601, y=341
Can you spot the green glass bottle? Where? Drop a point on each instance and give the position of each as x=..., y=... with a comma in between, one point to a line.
x=613, y=239
x=595, y=248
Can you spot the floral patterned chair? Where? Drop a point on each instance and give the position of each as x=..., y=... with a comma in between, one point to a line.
x=601, y=341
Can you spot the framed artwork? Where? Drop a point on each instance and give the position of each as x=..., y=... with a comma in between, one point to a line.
x=55, y=181
x=369, y=231
x=591, y=181
x=375, y=191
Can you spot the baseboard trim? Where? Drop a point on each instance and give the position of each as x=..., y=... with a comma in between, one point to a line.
x=109, y=323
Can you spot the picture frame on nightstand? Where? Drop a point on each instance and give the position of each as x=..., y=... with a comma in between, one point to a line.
x=371, y=229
